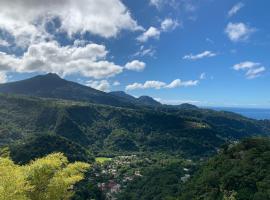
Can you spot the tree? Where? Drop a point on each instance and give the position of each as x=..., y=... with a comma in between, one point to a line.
x=48, y=178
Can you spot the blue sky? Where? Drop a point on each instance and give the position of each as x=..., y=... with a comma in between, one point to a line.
x=205, y=52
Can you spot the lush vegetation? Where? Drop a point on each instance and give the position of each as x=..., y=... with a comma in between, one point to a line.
x=35, y=147
x=48, y=178
x=102, y=160
x=161, y=179
x=137, y=150
x=109, y=131
x=240, y=172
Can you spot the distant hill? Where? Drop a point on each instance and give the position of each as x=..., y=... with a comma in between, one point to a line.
x=187, y=106
x=141, y=101
x=146, y=100
x=124, y=96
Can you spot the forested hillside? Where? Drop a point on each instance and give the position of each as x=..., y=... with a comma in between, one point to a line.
x=110, y=130
x=240, y=172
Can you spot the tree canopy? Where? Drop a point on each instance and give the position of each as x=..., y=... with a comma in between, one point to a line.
x=48, y=178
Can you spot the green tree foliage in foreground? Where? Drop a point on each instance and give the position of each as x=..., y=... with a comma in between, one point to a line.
x=48, y=178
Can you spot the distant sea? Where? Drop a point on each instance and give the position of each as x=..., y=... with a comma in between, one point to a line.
x=255, y=113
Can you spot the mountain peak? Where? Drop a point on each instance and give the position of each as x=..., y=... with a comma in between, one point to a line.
x=148, y=101
x=50, y=75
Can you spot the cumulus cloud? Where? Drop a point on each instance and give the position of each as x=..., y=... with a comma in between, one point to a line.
x=4, y=43
x=88, y=61
x=25, y=20
x=146, y=85
x=102, y=85
x=152, y=32
x=235, y=9
x=169, y=24
x=252, y=69
x=162, y=85
x=205, y=54
x=238, y=31
x=3, y=77
x=135, y=65
x=178, y=83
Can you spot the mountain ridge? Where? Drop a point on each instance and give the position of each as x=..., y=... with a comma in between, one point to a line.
x=52, y=86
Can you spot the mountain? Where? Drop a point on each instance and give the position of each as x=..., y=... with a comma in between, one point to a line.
x=52, y=86
x=187, y=106
x=123, y=95
x=149, y=101
x=141, y=101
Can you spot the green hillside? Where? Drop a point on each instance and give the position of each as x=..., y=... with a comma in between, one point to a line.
x=240, y=172
x=110, y=130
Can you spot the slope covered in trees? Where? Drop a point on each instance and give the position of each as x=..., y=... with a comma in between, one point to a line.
x=110, y=130
x=38, y=146
x=240, y=172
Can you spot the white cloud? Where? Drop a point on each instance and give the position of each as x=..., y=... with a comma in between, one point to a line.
x=160, y=85
x=4, y=43
x=174, y=84
x=116, y=83
x=88, y=61
x=146, y=85
x=152, y=32
x=175, y=4
x=252, y=69
x=102, y=85
x=145, y=52
x=209, y=41
x=238, y=31
x=254, y=73
x=205, y=54
x=135, y=65
x=156, y=3
x=189, y=7
x=178, y=83
x=235, y=9
x=203, y=76
x=246, y=65
x=25, y=20
x=169, y=24
x=3, y=77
